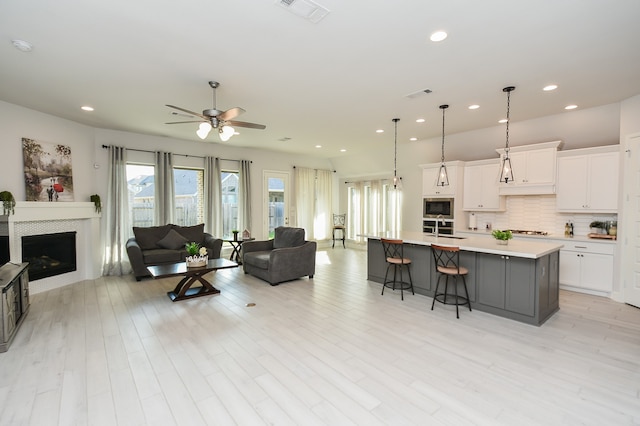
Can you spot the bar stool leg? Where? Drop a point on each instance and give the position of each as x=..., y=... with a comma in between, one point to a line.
x=435, y=294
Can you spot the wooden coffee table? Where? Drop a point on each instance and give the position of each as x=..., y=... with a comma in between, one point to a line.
x=183, y=290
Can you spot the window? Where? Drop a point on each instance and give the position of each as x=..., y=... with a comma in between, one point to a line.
x=373, y=207
x=140, y=180
x=189, y=193
x=229, y=181
x=189, y=189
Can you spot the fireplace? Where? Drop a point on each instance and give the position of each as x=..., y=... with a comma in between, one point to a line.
x=49, y=254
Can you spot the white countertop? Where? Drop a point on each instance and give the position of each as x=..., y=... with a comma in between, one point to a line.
x=481, y=244
x=548, y=237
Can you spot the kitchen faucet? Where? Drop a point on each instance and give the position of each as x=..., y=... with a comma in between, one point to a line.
x=439, y=218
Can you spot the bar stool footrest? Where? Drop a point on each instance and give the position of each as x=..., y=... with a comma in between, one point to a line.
x=399, y=285
x=459, y=300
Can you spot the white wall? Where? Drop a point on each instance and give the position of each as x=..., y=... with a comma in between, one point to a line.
x=18, y=122
x=89, y=159
x=629, y=125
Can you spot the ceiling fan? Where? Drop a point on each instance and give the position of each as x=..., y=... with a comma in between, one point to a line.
x=216, y=119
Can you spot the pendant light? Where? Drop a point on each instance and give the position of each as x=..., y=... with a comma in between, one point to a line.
x=397, y=181
x=443, y=176
x=506, y=175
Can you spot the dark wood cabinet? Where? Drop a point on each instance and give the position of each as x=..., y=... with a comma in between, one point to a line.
x=14, y=281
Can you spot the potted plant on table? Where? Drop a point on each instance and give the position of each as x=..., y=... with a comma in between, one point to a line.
x=235, y=234
x=502, y=237
x=197, y=255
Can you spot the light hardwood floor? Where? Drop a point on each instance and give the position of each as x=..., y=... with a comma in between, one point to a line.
x=329, y=351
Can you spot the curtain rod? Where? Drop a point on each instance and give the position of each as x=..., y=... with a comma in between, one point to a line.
x=366, y=180
x=320, y=169
x=182, y=155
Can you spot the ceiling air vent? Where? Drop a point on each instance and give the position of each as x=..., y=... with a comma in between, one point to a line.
x=418, y=93
x=306, y=9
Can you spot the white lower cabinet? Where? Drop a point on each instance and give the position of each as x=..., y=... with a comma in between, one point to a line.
x=587, y=265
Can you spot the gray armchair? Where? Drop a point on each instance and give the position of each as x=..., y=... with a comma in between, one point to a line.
x=286, y=257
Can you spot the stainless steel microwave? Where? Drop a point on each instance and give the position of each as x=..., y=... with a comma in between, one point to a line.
x=438, y=207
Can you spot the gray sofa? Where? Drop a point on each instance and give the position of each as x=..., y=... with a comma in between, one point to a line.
x=286, y=257
x=156, y=245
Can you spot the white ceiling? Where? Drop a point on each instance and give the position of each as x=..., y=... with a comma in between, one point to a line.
x=331, y=83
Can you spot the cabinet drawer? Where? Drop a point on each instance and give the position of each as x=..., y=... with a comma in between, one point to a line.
x=588, y=247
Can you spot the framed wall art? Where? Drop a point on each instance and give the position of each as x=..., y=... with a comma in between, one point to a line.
x=47, y=171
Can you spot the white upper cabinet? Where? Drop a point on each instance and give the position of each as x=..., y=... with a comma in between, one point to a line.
x=430, y=178
x=534, y=169
x=481, y=186
x=588, y=180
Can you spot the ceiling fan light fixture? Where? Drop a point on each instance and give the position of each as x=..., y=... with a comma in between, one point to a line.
x=203, y=130
x=226, y=132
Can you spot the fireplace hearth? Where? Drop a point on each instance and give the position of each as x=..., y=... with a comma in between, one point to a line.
x=49, y=254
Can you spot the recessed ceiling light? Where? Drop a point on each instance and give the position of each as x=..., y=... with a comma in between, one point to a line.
x=504, y=120
x=21, y=45
x=438, y=36
x=343, y=150
x=550, y=87
x=474, y=106
x=571, y=107
x=86, y=108
x=379, y=131
x=318, y=146
x=420, y=120
x=413, y=139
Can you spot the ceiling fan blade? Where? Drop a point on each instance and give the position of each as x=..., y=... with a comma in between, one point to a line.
x=187, y=111
x=182, y=122
x=230, y=113
x=245, y=124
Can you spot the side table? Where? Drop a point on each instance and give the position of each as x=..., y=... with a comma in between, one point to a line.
x=237, y=248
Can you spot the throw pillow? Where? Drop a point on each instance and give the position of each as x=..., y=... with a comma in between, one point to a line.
x=148, y=237
x=193, y=233
x=173, y=241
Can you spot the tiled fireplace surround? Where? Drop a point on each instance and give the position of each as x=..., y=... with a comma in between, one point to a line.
x=35, y=218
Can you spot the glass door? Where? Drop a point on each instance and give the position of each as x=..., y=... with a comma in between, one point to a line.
x=276, y=201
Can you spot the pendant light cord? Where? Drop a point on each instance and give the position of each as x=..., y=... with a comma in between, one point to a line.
x=395, y=147
x=508, y=120
x=508, y=90
x=443, y=107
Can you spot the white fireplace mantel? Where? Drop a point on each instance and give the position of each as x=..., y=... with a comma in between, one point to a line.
x=27, y=211
x=36, y=217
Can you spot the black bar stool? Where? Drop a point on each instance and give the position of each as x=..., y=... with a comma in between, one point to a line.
x=447, y=264
x=394, y=256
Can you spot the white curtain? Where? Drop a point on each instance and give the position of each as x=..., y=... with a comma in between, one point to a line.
x=116, y=215
x=305, y=194
x=323, y=211
x=244, y=199
x=164, y=189
x=374, y=209
x=213, y=196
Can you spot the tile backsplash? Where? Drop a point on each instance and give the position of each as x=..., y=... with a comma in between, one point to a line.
x=536, y=213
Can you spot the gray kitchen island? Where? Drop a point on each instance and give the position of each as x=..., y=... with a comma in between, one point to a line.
x=518, y=281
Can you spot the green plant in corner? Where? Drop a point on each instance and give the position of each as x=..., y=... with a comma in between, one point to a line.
x=502, y=235
x=8, y=202
x=95, y=198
